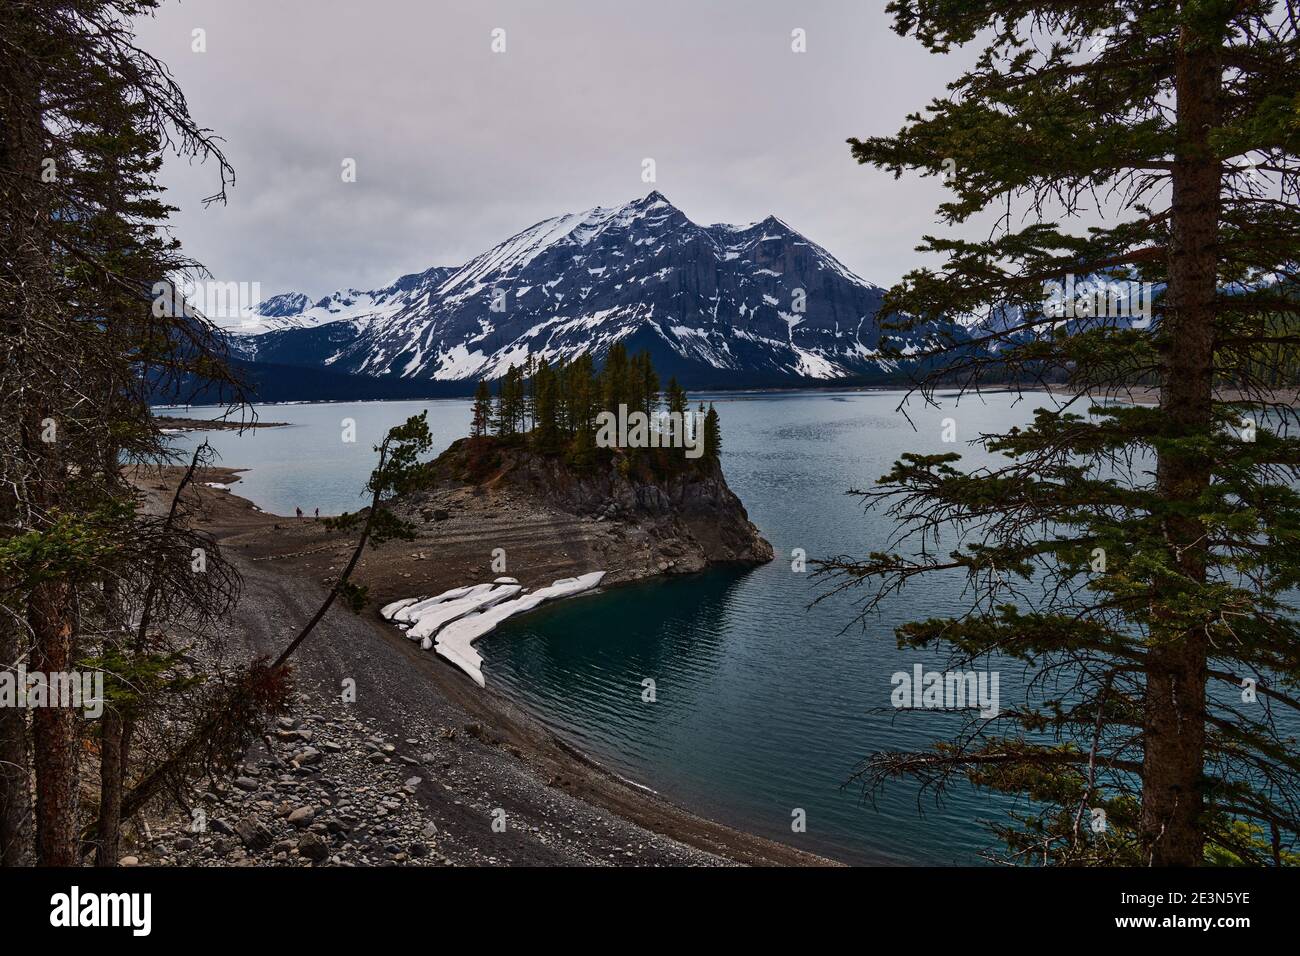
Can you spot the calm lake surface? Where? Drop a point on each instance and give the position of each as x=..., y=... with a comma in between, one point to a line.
x=763, y=705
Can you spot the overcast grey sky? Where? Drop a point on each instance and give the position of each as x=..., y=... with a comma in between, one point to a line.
x=458, y=147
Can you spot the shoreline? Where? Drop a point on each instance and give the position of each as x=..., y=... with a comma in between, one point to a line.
x=174, y=423
x=285, y=548
x=1135, y=394
x=1147, y=394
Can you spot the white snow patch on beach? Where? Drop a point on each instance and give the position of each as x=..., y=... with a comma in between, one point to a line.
x=416, y=608
x=456, y=640
x=388, y=610
x=461, y=616
x=428, y=623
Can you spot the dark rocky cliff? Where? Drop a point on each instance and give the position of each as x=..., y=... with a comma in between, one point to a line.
x=621, y=515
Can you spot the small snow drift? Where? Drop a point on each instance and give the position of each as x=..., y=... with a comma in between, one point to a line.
x=408, y=614
x=388, y=610
x=428, y=623
x=454, y=642
x=463, y=615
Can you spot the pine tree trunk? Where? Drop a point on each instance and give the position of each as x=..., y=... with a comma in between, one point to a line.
x=15, y=771
x=1174, y=724
x=54, y=729
x=111, y=778
x=51, y=612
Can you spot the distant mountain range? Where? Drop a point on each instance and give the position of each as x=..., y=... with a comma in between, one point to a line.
x=718, y=306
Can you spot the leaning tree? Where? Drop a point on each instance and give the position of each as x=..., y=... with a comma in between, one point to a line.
x=1140, y=557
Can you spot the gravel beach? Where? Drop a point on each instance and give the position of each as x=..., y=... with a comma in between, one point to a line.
x=424, y=768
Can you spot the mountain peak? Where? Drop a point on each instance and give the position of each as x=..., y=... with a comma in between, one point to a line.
x=286, y=303
x=653, y=201
x=712, y=303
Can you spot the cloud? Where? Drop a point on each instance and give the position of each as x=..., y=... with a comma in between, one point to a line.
x=457, y=147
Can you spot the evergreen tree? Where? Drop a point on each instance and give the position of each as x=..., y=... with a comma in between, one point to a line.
x=678, y=405
x=645, y=384
x=519, y=399
x=563, y=410
x=582, y=450
x=510, y=411
x=1141, y=557
x=501, y=413
x=677, y=401
x=83, y=114
x=582, y=396
x=712, y=436
x=93, y=329
x=526, y=376
x=566, y=398
x=481, y=421
x=615, y=379
x=546, y=429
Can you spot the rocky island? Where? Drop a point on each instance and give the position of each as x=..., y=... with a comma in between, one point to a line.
x=547, y=517
x=616, y=520
x=566, y=472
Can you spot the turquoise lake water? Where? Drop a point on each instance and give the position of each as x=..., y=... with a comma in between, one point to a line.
x=763, y=706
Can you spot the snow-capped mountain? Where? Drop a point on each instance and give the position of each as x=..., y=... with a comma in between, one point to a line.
x=715, y=305
x=293, y=310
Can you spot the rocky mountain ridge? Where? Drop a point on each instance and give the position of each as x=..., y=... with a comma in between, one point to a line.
x=718, y=305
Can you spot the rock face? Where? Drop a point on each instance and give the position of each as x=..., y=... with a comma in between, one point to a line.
x=559, y=520
x=693, y=515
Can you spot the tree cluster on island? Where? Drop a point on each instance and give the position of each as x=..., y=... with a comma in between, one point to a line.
x=566, y=409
